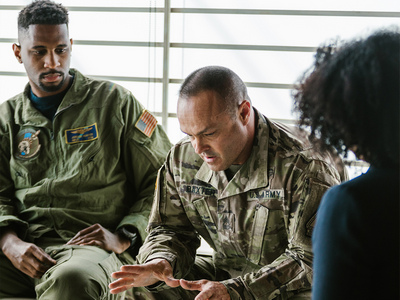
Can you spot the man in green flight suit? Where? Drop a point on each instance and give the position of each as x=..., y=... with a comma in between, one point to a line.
x=249, y=186
x=79, y=160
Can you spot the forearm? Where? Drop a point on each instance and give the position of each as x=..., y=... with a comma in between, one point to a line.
x=284, y=276
x=176, y=246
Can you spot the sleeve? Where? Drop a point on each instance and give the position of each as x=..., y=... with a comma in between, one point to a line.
x=9, y=205
x=143, y=155
x=171, y=235
x=291, y=272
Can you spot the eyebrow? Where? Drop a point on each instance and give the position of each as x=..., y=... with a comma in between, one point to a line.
x=41, y=47
x=200, y=132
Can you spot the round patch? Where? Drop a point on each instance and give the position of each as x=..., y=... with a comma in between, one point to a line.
x=28, y=143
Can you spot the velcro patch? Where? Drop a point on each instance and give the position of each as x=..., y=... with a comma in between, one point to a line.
x=81, y=134
x=146, y=123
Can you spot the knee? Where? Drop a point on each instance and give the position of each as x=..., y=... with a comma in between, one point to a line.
x=78, y=281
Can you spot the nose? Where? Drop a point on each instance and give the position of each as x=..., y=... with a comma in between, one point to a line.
x=51, y=61
x=198, y=145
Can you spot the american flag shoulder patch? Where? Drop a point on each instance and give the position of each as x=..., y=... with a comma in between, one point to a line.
x=146, y=123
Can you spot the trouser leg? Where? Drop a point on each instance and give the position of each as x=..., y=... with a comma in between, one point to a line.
x=14, y=283
x=81, y=272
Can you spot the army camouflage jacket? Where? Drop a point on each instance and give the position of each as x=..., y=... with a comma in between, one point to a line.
x=88, y=165
x=259, y=224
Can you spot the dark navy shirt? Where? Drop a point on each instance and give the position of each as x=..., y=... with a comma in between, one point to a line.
x=356, y=239
x=48, y=105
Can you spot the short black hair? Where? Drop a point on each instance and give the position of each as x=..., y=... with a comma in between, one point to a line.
x=42, y=12
x=351, y=97
x=223, y=81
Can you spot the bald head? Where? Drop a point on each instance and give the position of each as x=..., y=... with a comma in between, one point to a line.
x=226, y=84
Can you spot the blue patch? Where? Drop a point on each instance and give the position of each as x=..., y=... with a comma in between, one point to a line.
x=81, y=134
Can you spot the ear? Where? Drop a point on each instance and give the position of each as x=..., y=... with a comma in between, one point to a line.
x=245, y=111
x=17, y=52
x=71, y=41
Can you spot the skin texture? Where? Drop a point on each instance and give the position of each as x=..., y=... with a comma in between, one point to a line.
x=45, y=51
x=221, y=140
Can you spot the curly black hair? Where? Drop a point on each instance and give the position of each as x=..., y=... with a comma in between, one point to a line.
x=350, y=99
x=42, y=12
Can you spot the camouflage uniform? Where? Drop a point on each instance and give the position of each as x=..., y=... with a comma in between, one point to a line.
x=259, y=223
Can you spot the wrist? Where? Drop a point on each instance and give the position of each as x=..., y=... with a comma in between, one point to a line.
x=127, y=239
x=7, y=235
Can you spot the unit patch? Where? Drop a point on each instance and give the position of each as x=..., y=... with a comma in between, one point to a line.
x=146, y=123
x=28, y=143
x=81, y=134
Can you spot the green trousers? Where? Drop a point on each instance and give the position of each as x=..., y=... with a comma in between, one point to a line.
x=81, y=272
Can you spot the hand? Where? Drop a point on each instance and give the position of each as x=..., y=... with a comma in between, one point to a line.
x=97, y=235
x=26, y=257
x=209, y=290
x=143, y=275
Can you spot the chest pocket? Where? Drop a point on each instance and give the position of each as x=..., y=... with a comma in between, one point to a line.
x=268, y=233
x=207, y=220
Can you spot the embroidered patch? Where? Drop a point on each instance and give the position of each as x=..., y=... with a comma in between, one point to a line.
x=81, y=134
x=146, y=123
x=28, y=143
x=267, y=194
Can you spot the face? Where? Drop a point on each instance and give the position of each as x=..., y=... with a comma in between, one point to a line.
x=45, y=51
x=216, y=136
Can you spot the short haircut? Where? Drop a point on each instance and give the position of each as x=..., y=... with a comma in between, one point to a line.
x=230, y=89
x=352, y=97
x=42, y=12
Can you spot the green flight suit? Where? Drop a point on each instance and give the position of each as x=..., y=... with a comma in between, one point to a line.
x=259, y=223
x=95, y=162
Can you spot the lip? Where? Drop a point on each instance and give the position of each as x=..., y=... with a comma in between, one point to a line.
x=52, y=77
x=209, y=159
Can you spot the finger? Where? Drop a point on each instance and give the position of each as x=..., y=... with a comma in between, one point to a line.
x=91, y=243
x=191, y=285
x=82, y=238
x=120, y=274
x=84, y=232
x=172, y=282
x=44, y=258
x=132, y=268
x=120, y=289
x=121, y=282
x=206, y=295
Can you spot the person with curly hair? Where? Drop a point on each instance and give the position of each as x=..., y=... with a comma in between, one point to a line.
x=351, y=101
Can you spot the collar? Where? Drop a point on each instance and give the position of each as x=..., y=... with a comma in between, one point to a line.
x=76, y=94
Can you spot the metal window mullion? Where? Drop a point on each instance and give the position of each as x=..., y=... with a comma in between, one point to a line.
x=165, y=81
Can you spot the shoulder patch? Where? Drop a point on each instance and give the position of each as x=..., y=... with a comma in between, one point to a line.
x=81, y=134
x=28, y=143
x=146, y=123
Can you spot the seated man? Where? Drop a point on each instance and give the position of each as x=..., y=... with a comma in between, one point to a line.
x=249, y=186
x=77, y=175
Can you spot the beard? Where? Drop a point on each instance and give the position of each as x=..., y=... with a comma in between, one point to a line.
x=51, y=88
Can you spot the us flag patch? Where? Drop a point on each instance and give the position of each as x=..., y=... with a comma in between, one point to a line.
x=146, y=123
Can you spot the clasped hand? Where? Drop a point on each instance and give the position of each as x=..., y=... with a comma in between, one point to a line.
x=97, y=235
x=160, y=270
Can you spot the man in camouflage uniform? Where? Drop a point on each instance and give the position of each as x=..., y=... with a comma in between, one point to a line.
x=250, y=187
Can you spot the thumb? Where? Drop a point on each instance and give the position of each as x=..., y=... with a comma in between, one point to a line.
x=190, y=285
